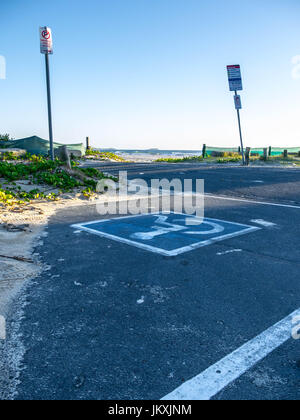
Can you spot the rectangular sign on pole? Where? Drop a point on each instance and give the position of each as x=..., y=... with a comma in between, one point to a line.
x=235, y=78
x=46, y=40
x=238, y=102
x=46, y=49
x=236, y=84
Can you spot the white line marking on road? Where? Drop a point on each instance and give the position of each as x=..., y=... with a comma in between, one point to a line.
x=217, y=377
x=263, y=223
x=220, y=197
x=230, y=251
x=243, y=200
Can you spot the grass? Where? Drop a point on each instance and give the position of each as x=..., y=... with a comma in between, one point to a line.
x=10, y=156
x=103, y=155
x=223, y=157
x=13, y=196
x=230, y=159
x=182, y=160
x=283, y=160
x=94, y=173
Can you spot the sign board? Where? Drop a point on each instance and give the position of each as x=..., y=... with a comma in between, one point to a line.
x=46, y=40
x=235, y=78
x=238, y=102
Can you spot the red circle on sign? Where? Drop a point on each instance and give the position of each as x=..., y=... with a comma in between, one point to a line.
x=46, y=34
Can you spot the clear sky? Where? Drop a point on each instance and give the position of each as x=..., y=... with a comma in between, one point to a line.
x=152, y=73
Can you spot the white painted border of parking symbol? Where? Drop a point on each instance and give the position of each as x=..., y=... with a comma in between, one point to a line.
x=175, y=252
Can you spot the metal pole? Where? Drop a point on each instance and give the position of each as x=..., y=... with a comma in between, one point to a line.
x=241, y=135
x=87, y=143
x=49, y=106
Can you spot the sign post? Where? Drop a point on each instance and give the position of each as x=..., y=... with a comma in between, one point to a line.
x=236, y=84
x=46, y=49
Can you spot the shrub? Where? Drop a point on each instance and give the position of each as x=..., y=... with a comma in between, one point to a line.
x=230, y=160
x=181, y=160
x=41, y=170
x=104, y=155
x=5, y=137
x=224, y=154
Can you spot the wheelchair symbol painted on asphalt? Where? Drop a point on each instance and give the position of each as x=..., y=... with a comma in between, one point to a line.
x=162, y=227
x=166, y=234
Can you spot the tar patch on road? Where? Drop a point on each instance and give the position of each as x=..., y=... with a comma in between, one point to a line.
x=166, y=234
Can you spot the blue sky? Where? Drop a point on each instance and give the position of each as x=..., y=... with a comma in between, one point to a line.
x=152, y=73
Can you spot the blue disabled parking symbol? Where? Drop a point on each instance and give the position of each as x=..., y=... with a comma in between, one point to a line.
x=166, y=234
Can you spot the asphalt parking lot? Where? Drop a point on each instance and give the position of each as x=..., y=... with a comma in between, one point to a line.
x=111, y=320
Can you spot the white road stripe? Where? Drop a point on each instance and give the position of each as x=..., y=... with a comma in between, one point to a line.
x=217, y=377
x=222, y=197
x=263, y=223
x=243, y=200
x=229, y=252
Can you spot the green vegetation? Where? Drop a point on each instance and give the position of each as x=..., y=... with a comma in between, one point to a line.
x=290, y=159
x=13, y=196
x=5, y=137
x=189, y=159
x=104, y=155
x=38, y=170
x=93, y=173
x=230, y=160
x=225, y=154
x=233, y=157
x=31, y=158
x=224, y=157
